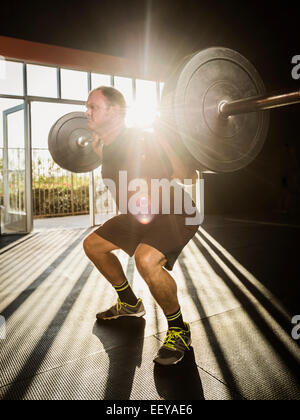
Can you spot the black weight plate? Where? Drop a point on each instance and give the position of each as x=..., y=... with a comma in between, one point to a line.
x=64, y=148
x=208, y=78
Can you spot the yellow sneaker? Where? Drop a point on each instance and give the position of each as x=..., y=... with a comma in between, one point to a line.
x=122, y=309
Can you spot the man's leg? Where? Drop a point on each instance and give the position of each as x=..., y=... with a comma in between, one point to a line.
x=150, y=263
x=99, y=251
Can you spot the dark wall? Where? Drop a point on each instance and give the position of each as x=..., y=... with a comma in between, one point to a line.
x=164, y=31
x=270, y=185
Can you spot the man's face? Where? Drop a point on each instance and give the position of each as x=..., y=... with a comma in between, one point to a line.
x=99, y=112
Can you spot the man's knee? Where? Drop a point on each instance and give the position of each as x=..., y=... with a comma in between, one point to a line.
x=88, y=245
x=94, y=244
x=143, y=264
x=149, y=262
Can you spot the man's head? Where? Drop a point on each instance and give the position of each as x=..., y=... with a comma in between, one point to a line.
x=106, y=107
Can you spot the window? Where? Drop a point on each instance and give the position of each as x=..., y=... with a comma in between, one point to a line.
x=125, y=86
x=43, y=116
x=74, y=85
x=11, y=78
x=145, y=109
x=6, y=105
x=15, y=131
x=41, y=81
x=100, y=80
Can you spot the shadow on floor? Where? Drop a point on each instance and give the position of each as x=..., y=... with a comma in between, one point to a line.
x=180, y=382
x=286, y=354
x=26, y=293
x=34, y=360
x=10, y=239
x=213, y=341
x=269, y=253
x=123, y=341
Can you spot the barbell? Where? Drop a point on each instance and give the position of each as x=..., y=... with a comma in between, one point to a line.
x=70, y=144
x=214, y=111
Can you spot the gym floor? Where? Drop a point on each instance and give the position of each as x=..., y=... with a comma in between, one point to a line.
x=238, y=284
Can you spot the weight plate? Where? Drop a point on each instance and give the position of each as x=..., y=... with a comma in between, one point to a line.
x=208, y=78
x=64, y=148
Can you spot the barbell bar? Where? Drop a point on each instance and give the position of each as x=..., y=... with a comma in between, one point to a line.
x=258, y=103
x=214, y=109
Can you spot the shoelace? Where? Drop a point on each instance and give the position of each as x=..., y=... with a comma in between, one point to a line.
x=172, y=336
x=119, y=305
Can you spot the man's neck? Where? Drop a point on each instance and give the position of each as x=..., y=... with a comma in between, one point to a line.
x=111, y=134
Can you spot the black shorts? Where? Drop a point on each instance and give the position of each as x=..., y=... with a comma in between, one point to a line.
x=166, y=233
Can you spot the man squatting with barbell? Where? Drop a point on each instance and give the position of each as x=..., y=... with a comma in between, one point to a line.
x=156, y=240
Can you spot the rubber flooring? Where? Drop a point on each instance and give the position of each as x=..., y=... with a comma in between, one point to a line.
x=238, y=288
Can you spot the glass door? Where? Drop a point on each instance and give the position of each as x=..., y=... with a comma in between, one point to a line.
x=14, y=203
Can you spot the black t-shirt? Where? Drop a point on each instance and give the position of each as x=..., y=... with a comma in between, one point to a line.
x=137, y=155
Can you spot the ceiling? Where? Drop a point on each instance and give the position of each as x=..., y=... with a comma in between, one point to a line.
x=162, y=31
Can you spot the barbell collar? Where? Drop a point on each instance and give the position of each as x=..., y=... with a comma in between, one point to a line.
x=83, y=141
x=258, y=103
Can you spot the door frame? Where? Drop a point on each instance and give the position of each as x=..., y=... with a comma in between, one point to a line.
x=25, y=107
